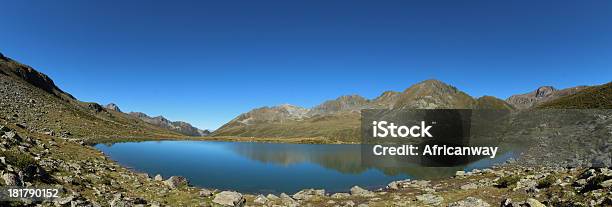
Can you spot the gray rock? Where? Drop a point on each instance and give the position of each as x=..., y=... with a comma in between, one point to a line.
x=308, y=194
x=206, y=193
x=348, y=203
x=358, y=191
x=470, y=202
x=158, y=177
x=469, y=186
x=506, y=203
x=229, y=198
x=460, y=173
x=430, y=199
x=11, y=179
x=534, y=203
x=340, y=195
x=260, y=199
x=272, y=197
x=606, y=183
x=176, y=181
x=64, y=200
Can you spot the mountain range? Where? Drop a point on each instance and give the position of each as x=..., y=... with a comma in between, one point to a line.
x=32, y=97
x=338, y=119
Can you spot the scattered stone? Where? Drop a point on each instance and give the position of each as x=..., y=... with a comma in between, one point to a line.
x=469, y=186
x=229, y=198
x=272, y=197
x=205, y=193
x=340, y=195
x=506, y=203
x=176, y=181
x=348, y=203
x=430, y=199
x=11, y=179
x=470, y=202
x=606, y=183
x=260, y=199
x=358, y=191
x=308, y=194
x=534, y=203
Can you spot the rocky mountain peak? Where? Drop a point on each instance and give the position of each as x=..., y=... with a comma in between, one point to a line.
x=540, y=95
x=544, y=91
x=432, y=94
x=30, y=75
x=112, y=106
x=347, y=103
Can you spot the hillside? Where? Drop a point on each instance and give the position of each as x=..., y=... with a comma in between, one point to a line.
x=599, y=97
x=33, y=101
x=177, y=126
x=338, y=120
x=540, y=95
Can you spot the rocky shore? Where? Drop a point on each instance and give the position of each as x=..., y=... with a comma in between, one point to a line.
x=88, y=178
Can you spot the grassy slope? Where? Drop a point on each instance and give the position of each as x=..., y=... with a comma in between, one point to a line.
x=593, y=97
x=43, y=110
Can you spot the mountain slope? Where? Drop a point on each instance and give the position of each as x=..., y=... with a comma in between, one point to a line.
x=599, y=97
x=339, y=119
x=177, y=126
x=32, y=100
x=540, y=95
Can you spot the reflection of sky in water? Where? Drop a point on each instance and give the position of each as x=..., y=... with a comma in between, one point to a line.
x=265, y=167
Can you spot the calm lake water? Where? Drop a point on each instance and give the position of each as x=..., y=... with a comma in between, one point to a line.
x=268, y=167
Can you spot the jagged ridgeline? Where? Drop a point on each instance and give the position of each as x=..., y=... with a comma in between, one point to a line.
x=339, y=119
x=32, y=99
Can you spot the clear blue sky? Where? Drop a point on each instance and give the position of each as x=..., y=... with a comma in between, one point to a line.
x=207, y=61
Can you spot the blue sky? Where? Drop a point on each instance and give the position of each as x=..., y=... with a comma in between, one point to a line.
x=207, y=61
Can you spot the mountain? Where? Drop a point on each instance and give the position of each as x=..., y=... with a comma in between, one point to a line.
x=112, y=106
x=540, y=95
x=339, y=119
x=178, y=126
x=32, y=100
x=434, y=94
x=599, y=97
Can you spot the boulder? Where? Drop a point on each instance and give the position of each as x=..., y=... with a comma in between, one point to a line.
x=340, y=195
x=176, y=181
x=158, y=177
x=206, y=193
x=308, y=194
x=11, y=179
x=229, y=198
x=358, y=191
x=261, y=199
x=272, y=197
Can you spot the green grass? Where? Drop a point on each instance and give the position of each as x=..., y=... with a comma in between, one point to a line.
x=508, y=181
